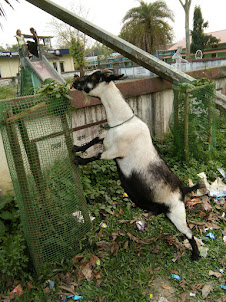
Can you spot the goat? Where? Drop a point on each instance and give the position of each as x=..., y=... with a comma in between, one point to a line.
x=144, y=175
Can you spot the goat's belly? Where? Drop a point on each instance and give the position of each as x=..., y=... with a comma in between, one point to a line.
x=141, y=194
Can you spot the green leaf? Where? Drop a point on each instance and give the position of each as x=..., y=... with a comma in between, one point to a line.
x=73, y=109
x=6, y=215
x=2, y=228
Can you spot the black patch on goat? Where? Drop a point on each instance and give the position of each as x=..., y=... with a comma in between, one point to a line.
x=136, y=188
x=162, y=172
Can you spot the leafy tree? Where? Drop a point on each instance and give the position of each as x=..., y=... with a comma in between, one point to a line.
x=77, y=52
x=146, y=27
x=186, y=5
x=199, y=39
x=98, y=49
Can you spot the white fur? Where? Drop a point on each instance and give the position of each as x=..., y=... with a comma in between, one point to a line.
x=131, y=145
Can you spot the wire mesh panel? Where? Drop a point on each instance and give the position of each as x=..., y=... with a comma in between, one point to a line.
x=193, y=121
x=37, y=138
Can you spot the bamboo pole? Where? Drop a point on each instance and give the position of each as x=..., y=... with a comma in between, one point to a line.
x=25, y=113
x=33, y=159
x=32, y=234
x=76, y=177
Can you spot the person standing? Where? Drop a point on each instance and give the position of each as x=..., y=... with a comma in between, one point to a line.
x=33, y=46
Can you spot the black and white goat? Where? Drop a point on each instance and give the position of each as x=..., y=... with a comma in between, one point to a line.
x=144, y=175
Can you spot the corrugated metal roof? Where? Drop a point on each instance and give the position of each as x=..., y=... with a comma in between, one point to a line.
x=220, y=34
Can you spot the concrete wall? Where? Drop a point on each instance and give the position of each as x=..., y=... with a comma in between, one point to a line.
x=151, y=99
x=9, y=67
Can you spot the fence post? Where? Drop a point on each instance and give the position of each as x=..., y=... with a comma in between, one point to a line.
x=186, y=125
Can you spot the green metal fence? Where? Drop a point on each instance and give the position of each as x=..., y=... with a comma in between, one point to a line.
x=193, y=121
x=37, y=137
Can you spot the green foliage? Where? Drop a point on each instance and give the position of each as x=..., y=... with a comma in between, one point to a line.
x=57, y=95
x=13, y=254
x=7, y=92
x=102, y=186
x=146, y=25
x=98, y=49
x=77, y=51
x=199, y=39
x=200, y=115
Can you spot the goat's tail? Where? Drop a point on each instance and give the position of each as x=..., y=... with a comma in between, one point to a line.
x=198, y=185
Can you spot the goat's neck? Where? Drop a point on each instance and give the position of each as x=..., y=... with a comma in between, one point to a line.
x=117, y=110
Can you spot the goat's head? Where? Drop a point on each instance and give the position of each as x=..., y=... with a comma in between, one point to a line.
x=95, y=82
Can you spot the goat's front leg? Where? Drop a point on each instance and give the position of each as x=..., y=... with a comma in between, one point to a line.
x=84, y=161
x=112, y=153
x=83, y=148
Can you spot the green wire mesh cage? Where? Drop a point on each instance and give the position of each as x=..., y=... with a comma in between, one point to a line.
x=193, y=119
x=37, y=137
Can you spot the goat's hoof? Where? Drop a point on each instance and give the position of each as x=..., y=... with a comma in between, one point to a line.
x=97, y=140
x=75, y=149
x=195, y=257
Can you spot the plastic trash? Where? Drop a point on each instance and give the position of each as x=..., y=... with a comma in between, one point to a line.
x=210, y=235
x=223, y=287
x=140, y=225
x=103, y=225
x=222, y=172
x=192, y=294
x=51, y=284
x=176, y=277
x=17, y=291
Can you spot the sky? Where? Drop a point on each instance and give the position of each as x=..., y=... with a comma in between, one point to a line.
x=103, y=13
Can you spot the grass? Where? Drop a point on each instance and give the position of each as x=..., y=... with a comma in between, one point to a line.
x=128, y=269
x=7, y=92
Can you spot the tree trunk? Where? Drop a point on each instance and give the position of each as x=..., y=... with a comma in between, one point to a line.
x=187, y=8
x=82, y=71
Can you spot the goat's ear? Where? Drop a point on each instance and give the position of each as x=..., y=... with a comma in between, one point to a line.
x=108, y=77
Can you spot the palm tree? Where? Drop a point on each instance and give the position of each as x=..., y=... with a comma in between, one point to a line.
x=2, y=12
x=146, y=26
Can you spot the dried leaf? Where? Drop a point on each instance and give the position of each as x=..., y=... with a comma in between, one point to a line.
x=29, y=285
x=77, y=258
x=182, y=284
x=166, y=286
x=93, y=260
x=114, y=248
x=125, y=246
x=87, y=272
x=114, y=235
x=215, y=274
x=97, y=275
x=138, y=240
x=66, y=278
x=173, y=271
x=69, y=289
x=207, y=288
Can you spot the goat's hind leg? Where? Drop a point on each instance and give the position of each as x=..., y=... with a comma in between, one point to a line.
x=177, y=216
x=86, y=146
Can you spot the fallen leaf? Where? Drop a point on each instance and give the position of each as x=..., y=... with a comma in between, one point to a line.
x=97, y=275
x=29, y=285
x=173, y=271
x=166, y=286
x=125, y=246
x=215, y=274
x=87, y=272
x=66, y=278
x=207, y=288
x=93, y=260
x=69, y=289
x=182, y=284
